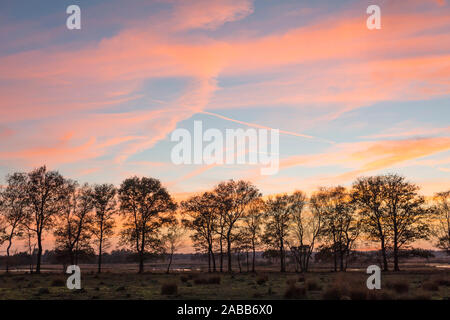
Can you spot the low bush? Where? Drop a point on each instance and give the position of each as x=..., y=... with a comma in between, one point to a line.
x=313, y=285
x=295, y=292
x=430, y=286
x=442, y=282
x=358, y=294
x=43, y=291
x=58, y=283
x=262, y=279
x=208, y=280
x=291, y=281
x=399, y=286
x=169, y=288
x=336, y=291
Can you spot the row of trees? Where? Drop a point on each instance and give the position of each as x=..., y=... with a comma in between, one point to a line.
x=386, y=209
x=231, y=218
x=81, y=216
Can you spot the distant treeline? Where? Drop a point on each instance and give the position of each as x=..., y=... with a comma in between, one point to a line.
x=223, y=223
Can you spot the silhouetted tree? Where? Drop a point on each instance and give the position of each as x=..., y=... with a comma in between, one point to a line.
x=406, y=215
x=46, y=191
x=171, y=241
x=278, y=215
x=242, y=240
x=442, y=213
x=341, y=225
x=252, y=225
x=201, y=216
x=104, y=202
x=233, y=198
x=369, y=196
x=146, y=206
x=220, y=231
x=306, y=227
x=14, y=209
x=72, y=233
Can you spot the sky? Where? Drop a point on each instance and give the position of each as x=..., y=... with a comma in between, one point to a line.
x=99, y=104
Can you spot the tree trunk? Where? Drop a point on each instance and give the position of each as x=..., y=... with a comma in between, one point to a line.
x=383, y=252
x=142, y=252
x=221, y=253
x=72, y=257
x=209, y=260
x=229, y=251
x=39, y=253
x=248, y=266
x=100, y=251
x=308, y=256
x=170, y=262
x=254, y=254
x=7, y=254
x=335, y=258
x=396, y=267
x=213, y=260
x=141, y=262
x=239, y=262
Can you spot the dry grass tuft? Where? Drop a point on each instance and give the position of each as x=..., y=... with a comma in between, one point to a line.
x=170, y=288
x=295, y=292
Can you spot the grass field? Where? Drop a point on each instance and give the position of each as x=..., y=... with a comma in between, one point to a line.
x=427, y=283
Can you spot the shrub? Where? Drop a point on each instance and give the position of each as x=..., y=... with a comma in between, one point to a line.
x=208, y=280
x=399, y=286
x=184, y=278
x=332, y=293
x=169, y=288
x=262, y=279
x=442, y=282
x=294, y=292
x=358, y=294
x=337, y=291
x=121, y=288
x=301, y=279
x=291, y=281
x=430, y=286
x=214, y=280
x=43, y=291
x=58, y=283
x=313, y=285
x=78, y=291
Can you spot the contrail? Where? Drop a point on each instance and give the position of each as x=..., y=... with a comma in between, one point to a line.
x=264, y=127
